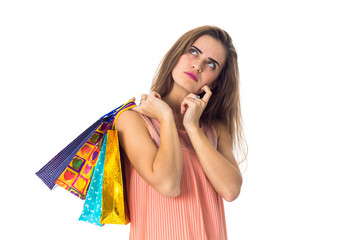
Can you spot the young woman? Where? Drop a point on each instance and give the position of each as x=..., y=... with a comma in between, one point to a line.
x=179, y=141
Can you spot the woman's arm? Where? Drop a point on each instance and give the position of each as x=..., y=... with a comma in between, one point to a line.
x=160, y=167
x=218, y=164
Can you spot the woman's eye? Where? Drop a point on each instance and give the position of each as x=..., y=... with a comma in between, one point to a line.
x=193, y=51
x=212, y=65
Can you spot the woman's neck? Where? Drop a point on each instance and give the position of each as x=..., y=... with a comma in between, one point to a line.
x=175, y=98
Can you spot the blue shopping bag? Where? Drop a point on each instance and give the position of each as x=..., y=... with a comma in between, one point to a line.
x=92, y=207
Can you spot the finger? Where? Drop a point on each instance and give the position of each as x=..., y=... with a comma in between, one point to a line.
x=132, y=99
x=186, y=103
x=193, y=96
x=157, y=95
x=208, y=93
x=144, y=96
x=138, y=109
x=183, y=106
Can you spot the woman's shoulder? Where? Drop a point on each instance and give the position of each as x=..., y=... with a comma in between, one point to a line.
x=130, y=119
x=220, y=128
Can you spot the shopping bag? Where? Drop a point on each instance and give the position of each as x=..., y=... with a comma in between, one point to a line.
x=51, y=171
x=92, y=206
x=77, y=175
x=114, y=201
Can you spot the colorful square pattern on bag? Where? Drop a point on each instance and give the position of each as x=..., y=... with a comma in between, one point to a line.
x=77, y=175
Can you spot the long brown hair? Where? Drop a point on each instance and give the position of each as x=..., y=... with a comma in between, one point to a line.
x=224, y=104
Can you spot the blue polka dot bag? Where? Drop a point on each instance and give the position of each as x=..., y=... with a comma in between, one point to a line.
x=92, y=207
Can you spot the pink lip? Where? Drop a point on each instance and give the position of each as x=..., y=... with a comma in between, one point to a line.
x=192, y=76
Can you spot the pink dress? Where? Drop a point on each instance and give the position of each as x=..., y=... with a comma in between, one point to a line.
x=196, y=214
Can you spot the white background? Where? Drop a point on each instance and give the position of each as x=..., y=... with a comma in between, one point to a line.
x=65, y=63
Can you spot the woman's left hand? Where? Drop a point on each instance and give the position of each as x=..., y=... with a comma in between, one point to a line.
x=193, y=107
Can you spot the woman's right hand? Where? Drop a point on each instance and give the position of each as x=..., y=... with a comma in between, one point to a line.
x=152, y=106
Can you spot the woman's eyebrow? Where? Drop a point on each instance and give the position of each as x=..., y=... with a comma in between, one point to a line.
x=209, y=58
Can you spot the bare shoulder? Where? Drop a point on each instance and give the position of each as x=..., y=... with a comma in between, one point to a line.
x=221, y=129
x=130, y=120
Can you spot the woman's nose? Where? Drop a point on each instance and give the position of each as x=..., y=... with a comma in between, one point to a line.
x=197, y=67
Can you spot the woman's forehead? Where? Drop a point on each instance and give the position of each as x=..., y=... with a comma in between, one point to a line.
x=211, y=48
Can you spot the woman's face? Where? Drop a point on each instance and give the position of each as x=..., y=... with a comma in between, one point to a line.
x=201, y=65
